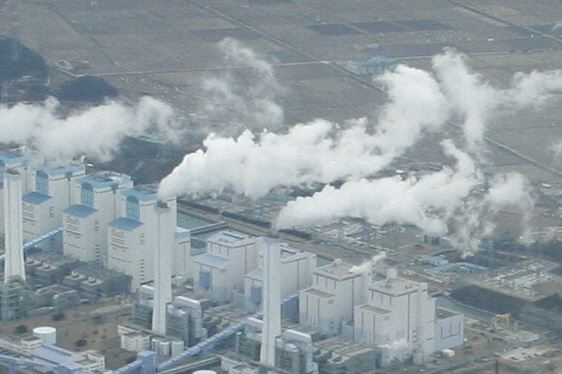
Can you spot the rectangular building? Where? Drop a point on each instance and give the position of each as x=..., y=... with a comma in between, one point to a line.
x=96, y=201
x=336, y=290
x=51, y=193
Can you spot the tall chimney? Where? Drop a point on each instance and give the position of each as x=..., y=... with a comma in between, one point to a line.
x=13, y=262
x=162, y=267
x=271, y=300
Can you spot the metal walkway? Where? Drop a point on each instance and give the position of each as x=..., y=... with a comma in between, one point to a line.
x=32, y=243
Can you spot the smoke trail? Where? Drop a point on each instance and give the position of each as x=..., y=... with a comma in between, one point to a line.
x=245, y=97
x=319, y=151
x=477, y=102
x=424, y=202
x=440, y=203
x=368, y=265
x=96, y=132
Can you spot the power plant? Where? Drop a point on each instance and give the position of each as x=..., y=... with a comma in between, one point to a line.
x=82, y=237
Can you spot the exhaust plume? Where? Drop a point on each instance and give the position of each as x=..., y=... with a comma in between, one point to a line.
x=319, y=151
x=96, y=132
x=246, y=96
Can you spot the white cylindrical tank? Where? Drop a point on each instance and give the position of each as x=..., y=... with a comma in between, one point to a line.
x=205, y=372
x=47, y=334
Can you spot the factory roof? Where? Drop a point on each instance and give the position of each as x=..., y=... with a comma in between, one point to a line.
x=35, y=198
x=257, y=274
x=395, y=286
x=316, y=292
x=62, y=170
x=230, y=238
x=443, y=313
x=211, y=260
x=141, y=193
x=10, y=158
x=126, y=224
x=373, y=308
x=98, y=181
x=52, y=354
x=79, y=211
x=338, y=269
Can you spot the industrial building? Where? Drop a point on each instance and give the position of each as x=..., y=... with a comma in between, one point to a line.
x=50, y=194
x=95, y=201
x=288, y=314
x=133, y=237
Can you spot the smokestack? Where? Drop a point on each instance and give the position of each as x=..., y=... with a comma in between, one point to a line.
x=271, y=300
x=13, y=264
x=162, y=267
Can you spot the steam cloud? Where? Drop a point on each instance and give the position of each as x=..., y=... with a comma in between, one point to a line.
x=319, y=151
x=452, y=200
x=251, y=104
x=96, y=132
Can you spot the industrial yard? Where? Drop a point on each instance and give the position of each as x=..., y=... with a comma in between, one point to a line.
x=105, y=272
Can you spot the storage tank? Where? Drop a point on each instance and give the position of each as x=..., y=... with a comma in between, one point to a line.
x=47, y=334
x=205, y=372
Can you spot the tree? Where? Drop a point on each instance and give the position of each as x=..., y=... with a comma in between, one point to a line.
x=81, y=342
x=21, y=329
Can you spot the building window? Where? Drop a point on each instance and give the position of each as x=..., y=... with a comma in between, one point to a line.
x=205, y=280
x=133, y=209
x=255, y=295
x=42, y=182
x=87, y=195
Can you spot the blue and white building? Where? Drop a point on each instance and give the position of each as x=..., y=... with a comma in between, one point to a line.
x=96, y=200
x=51, y=193
x=132, y=237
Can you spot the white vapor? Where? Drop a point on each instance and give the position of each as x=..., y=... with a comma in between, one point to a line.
x=319, y=151
x=96, y=132
x=368, y=265
x=239, y=100
x=438, y=203
x=425, y=202
x=477, y=102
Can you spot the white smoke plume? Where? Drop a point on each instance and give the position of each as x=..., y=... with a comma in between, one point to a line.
x=425, y=202
x=319, y=151
x=474, y=220
x=477, y=102
x=438, y=203
x=368, y=265
x=242, y=101
x=95, y=132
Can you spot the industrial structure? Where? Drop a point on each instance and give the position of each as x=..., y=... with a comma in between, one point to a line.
x=73, y=238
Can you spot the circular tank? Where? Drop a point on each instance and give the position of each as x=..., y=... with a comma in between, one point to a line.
x=47, y=334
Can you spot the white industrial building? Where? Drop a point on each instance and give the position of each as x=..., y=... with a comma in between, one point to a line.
x=220, y=272
x=336, y=290
x=296, y=274
x=132, y=238
x=398, y=318
x=96, y=201
x=395, y=315
x=51, y=193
